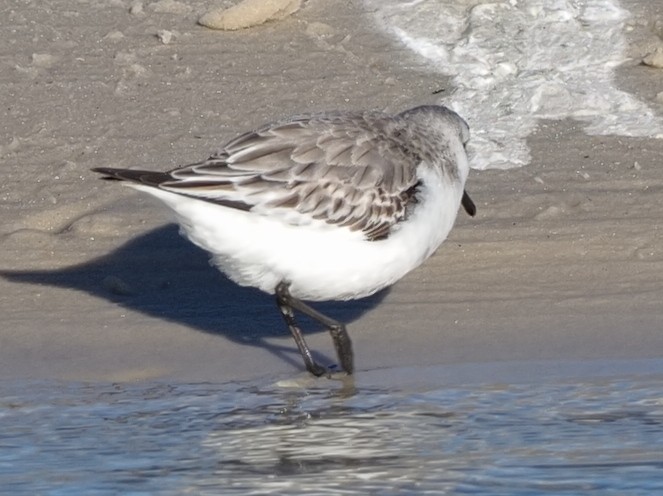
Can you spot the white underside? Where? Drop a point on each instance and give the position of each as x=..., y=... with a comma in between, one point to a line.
x=320, y=261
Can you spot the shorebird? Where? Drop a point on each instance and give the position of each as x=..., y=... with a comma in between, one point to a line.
x=326, y=206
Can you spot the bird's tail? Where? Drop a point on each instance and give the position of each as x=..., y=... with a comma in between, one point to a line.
x=148, y=178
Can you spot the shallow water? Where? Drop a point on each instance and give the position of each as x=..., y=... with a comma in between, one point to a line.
x=599, y=437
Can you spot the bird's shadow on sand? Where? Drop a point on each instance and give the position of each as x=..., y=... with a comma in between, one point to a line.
x=163, y=275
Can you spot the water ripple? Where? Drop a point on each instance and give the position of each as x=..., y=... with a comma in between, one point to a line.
x=561, y=438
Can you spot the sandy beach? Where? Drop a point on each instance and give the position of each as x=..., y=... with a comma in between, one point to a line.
x=562, y=265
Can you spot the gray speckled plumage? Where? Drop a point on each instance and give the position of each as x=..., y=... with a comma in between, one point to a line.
x=354, y=169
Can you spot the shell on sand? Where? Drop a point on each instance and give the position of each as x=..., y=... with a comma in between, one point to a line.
x=248, y=13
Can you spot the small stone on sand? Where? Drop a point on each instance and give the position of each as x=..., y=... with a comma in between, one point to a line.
x=248, y=13
x=165, y=36
x=136, y=8
x=654, y=59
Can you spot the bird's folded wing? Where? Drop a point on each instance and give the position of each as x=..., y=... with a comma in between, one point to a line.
x=346, y=170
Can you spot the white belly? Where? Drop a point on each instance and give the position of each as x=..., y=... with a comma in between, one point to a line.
x=320, y=261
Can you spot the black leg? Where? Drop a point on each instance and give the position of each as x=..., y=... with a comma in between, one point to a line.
x=283, y=302
x=339, y=334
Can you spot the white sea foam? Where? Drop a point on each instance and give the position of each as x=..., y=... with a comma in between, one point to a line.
x=516, y=62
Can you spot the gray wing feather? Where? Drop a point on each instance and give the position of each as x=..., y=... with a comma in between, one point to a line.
x=345, y=169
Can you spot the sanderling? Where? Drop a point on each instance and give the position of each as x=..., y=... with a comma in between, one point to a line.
x=328, y=206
